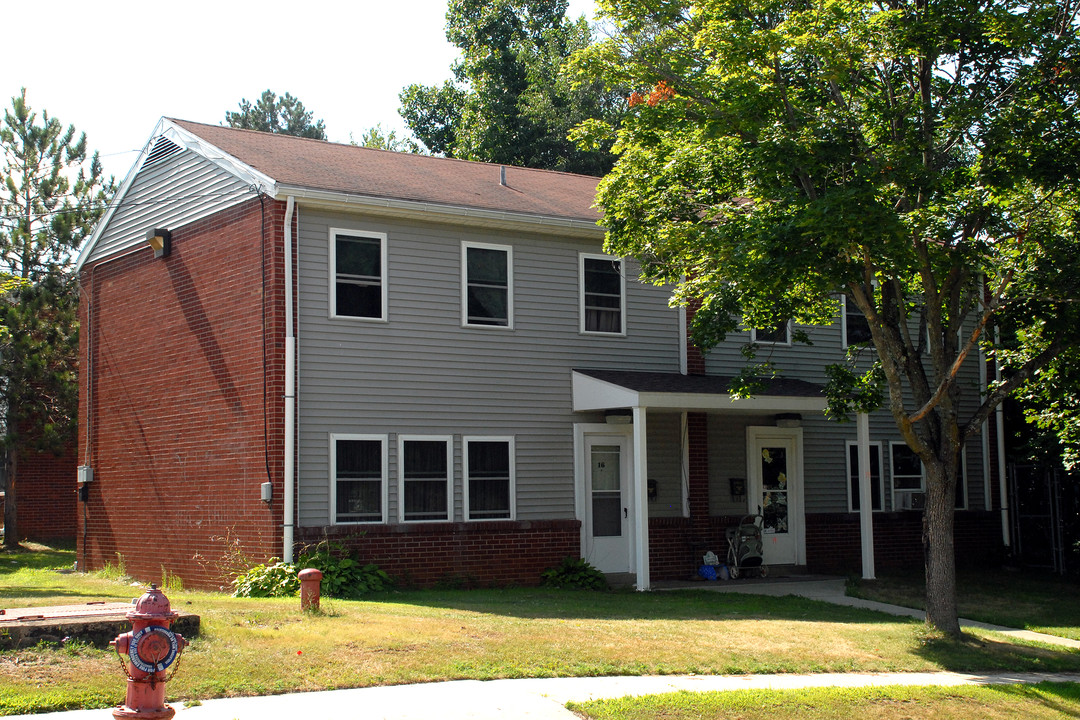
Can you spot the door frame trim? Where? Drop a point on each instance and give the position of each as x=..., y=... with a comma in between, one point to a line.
x=796, y=505
x=581, y=477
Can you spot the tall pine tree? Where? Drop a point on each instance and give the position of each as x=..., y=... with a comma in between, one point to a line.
x=49, y=201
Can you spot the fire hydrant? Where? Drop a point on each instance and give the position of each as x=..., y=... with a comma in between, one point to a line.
x=151, y=648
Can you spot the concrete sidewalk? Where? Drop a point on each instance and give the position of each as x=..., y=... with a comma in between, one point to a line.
x=546, y=698
x=531, y=699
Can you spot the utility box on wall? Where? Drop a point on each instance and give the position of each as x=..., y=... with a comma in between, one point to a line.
x=86, y=474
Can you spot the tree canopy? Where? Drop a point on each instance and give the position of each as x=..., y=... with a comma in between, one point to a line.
x=50, y=198
x=511, y=102
x=918, y=157
x=285, y=115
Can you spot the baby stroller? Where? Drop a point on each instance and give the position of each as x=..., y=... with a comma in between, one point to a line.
x=744, y=548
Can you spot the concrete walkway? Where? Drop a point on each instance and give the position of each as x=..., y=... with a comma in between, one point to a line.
x=546, y=698
x=832, y=590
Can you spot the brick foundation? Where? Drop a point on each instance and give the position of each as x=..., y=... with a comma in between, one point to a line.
x=466, y=554
x=834, y=544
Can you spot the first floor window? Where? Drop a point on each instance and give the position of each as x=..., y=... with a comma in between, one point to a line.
x=359, y=467
x=602, y=295
x=425, y=466
x=358, y=263
x=854, y=476
x=907, y=478
x=489, y=478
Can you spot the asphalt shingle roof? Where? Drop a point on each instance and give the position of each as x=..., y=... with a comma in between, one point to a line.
x=338, y=168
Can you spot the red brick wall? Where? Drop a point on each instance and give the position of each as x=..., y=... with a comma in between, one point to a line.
x=834, y=544
x=471, y=554
x=172, y=394
x=46, y=497
x=673, y=555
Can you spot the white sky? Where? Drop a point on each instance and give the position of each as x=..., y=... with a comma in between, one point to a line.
x=114, y=67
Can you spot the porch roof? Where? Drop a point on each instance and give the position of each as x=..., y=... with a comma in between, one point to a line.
x=611, y=389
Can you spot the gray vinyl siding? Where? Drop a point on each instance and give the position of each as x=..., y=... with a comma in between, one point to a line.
x=421, y=372
x=174, y=192
x=824, y=440
x=666, y=466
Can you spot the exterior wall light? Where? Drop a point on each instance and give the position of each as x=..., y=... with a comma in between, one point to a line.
x=160, y=240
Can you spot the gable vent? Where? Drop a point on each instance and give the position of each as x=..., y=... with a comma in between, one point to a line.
x=163, y=149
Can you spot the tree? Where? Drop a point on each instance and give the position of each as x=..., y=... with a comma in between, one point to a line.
x=49, y=201
x=917, y=157
x=511, y=102
x=285, y=115
x=379, y=139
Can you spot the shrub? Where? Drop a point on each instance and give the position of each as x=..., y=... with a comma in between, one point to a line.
x=343, y=575
x=276, y=579
x=573, y=573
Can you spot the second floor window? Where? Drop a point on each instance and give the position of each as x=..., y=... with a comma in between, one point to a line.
x=488, y=294
x=358, y=275
x=603, y=296
x=856, y=326
x=779, y=335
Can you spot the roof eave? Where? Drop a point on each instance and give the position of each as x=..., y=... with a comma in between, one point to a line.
x=591, y=393
x=419, y=210
x=189, y=141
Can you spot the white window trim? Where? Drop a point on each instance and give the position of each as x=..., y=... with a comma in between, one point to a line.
x=509, y=439
x=332, y=264
x=448, y=440
x=582, y=257
x=881, y=476
x=892, y=478
x=383, y=443
x=843, y=325
x=783, y=343
x=962, y=480
x=509, y=250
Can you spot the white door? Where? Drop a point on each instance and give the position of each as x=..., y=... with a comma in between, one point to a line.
x=607, y=506
x=774, y=460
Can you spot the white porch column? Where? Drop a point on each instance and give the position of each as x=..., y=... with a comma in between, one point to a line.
x=641, y=501
x=866, y=498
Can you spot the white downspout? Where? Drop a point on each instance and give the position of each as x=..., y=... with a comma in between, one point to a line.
x=1003, y=489
x=290, y=391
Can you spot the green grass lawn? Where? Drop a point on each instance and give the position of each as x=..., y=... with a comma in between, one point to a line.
x=1046, y=701
x=249, y=646
x=1026, y=600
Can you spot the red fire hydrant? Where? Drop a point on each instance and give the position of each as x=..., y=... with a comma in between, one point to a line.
x=151, y=648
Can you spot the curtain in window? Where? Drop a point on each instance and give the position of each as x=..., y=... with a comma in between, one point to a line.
x=425, y=473
x=359, y=480
x=489, y=479
x=603, y=295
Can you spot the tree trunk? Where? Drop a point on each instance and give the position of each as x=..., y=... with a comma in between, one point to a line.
x=11, y=512
x=940, y=553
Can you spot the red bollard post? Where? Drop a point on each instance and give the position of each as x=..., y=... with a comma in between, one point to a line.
x=310, y=587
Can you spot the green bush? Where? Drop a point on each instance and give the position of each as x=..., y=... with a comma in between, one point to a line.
x=275, y=579
x=574, y=573
x=343, y=575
